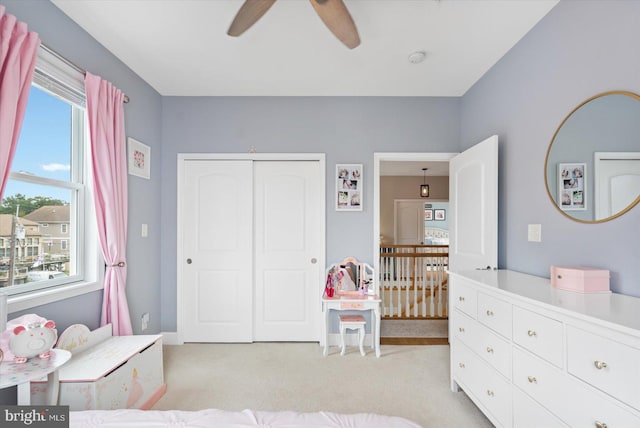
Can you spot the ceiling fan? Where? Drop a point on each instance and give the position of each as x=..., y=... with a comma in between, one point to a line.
x=333, y=13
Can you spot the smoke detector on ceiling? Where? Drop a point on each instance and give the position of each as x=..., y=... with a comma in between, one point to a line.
x=417, y=57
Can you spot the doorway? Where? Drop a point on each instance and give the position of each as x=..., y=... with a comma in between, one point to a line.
x=409, y=209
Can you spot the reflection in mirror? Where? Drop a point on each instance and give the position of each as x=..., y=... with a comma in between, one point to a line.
x=349, y=276
x=592, y=169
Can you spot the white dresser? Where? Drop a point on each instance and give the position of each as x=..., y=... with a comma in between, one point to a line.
x=530, y=355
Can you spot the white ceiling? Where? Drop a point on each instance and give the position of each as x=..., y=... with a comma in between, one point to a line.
x=180, y=47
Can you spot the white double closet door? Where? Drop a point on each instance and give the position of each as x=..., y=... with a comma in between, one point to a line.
x=252, y=238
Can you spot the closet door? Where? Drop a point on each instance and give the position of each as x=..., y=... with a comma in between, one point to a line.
x=287, y=212
x=216, y=218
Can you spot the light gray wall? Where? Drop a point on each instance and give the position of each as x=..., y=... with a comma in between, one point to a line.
x=579, y=49
x=142, y=115
x=348, y=130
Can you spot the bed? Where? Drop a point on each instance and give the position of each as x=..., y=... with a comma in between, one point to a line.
x=436, y=236
x=227, y=419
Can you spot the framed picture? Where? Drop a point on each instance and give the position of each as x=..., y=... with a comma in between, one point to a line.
x=572, y=186
x=439, y=214
x=139, y=158
x=428, y=215
x=349, y=187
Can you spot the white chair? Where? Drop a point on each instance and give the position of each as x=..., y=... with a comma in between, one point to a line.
x=352, y=322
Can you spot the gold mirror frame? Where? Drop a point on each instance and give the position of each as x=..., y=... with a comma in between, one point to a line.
x=553, y=140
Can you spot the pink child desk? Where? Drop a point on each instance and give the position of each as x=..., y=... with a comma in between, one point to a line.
x=353, y=301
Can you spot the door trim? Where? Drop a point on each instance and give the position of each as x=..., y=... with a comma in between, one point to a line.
x=398, y=157
x=183, y=157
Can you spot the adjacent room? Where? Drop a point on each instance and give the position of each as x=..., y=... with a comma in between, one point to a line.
x=371, y=213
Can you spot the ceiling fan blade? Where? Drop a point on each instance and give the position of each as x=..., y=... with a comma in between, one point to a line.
x=249, y=13
x=338, y=20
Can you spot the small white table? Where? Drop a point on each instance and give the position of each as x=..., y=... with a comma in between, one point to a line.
x=12, y=374
x=350, y=301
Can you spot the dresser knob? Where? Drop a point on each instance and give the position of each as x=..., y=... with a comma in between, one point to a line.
x=532, y=379
x=600, y=424
x=489, y=313
x=489, y=349
x=489, y=393
x=461, y=329
x=461, y=298
x=600, y=364
x=532, y=333
x=461, y=365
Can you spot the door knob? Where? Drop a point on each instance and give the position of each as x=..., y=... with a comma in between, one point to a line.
x=189, y=261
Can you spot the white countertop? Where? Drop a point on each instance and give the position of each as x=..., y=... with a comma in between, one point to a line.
x=618, y=309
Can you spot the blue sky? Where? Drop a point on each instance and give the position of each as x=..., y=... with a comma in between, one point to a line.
x=44, y=145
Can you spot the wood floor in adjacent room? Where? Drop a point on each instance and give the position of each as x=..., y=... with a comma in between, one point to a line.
x=407, y=331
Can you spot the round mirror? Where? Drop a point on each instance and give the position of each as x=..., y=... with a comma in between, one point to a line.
x=592, y=169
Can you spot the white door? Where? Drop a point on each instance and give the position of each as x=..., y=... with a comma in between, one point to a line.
x=216, y=220
x=409, y=222
x=287, y=241
x=617, y=182
x=473, y=196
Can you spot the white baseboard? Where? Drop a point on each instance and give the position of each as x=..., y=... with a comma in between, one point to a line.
x=351, y=339
x=171, y=338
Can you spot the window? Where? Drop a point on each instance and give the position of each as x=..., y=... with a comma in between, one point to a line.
x=48, y=184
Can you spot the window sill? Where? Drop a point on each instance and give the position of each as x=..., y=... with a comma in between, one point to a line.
x=20, y=302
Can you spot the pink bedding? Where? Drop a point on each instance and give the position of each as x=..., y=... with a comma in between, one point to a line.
x=225, y=419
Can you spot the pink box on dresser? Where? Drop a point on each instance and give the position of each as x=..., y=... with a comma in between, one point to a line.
x=581, y=279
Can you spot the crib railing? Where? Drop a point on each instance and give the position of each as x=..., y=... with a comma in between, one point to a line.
x=414, y=281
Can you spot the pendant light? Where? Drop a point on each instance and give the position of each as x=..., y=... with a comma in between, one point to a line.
x=424, y=188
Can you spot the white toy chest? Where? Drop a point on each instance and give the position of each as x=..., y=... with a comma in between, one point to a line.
x=107, y=372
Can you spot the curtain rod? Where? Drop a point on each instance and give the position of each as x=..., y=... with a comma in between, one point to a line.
x=69, y=63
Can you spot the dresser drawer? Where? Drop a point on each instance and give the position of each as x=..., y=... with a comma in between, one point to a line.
x=463, y=327
x=464, y=297
x=495, y=314
x=493, y=349
x=606, y=364
x=488, y=345
x=465, y=366
x=527, y=413
x=539, y=334
x=572, y=401
x=483, y=384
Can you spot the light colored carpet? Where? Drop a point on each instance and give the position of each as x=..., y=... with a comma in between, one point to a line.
x=407, y=381
x=414, y=328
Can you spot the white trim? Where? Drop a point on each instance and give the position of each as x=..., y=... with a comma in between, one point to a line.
x=19, y=302
x=182, y=157
x=397, y=157
x=171, y=338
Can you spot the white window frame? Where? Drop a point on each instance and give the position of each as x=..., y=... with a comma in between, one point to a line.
x=56, y=74
x=64, y=228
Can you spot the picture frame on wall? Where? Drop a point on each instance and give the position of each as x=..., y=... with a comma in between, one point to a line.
x=440, y=215
x=139, y=158
x=572, y=186
x=349, y=187
x=428, y=215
